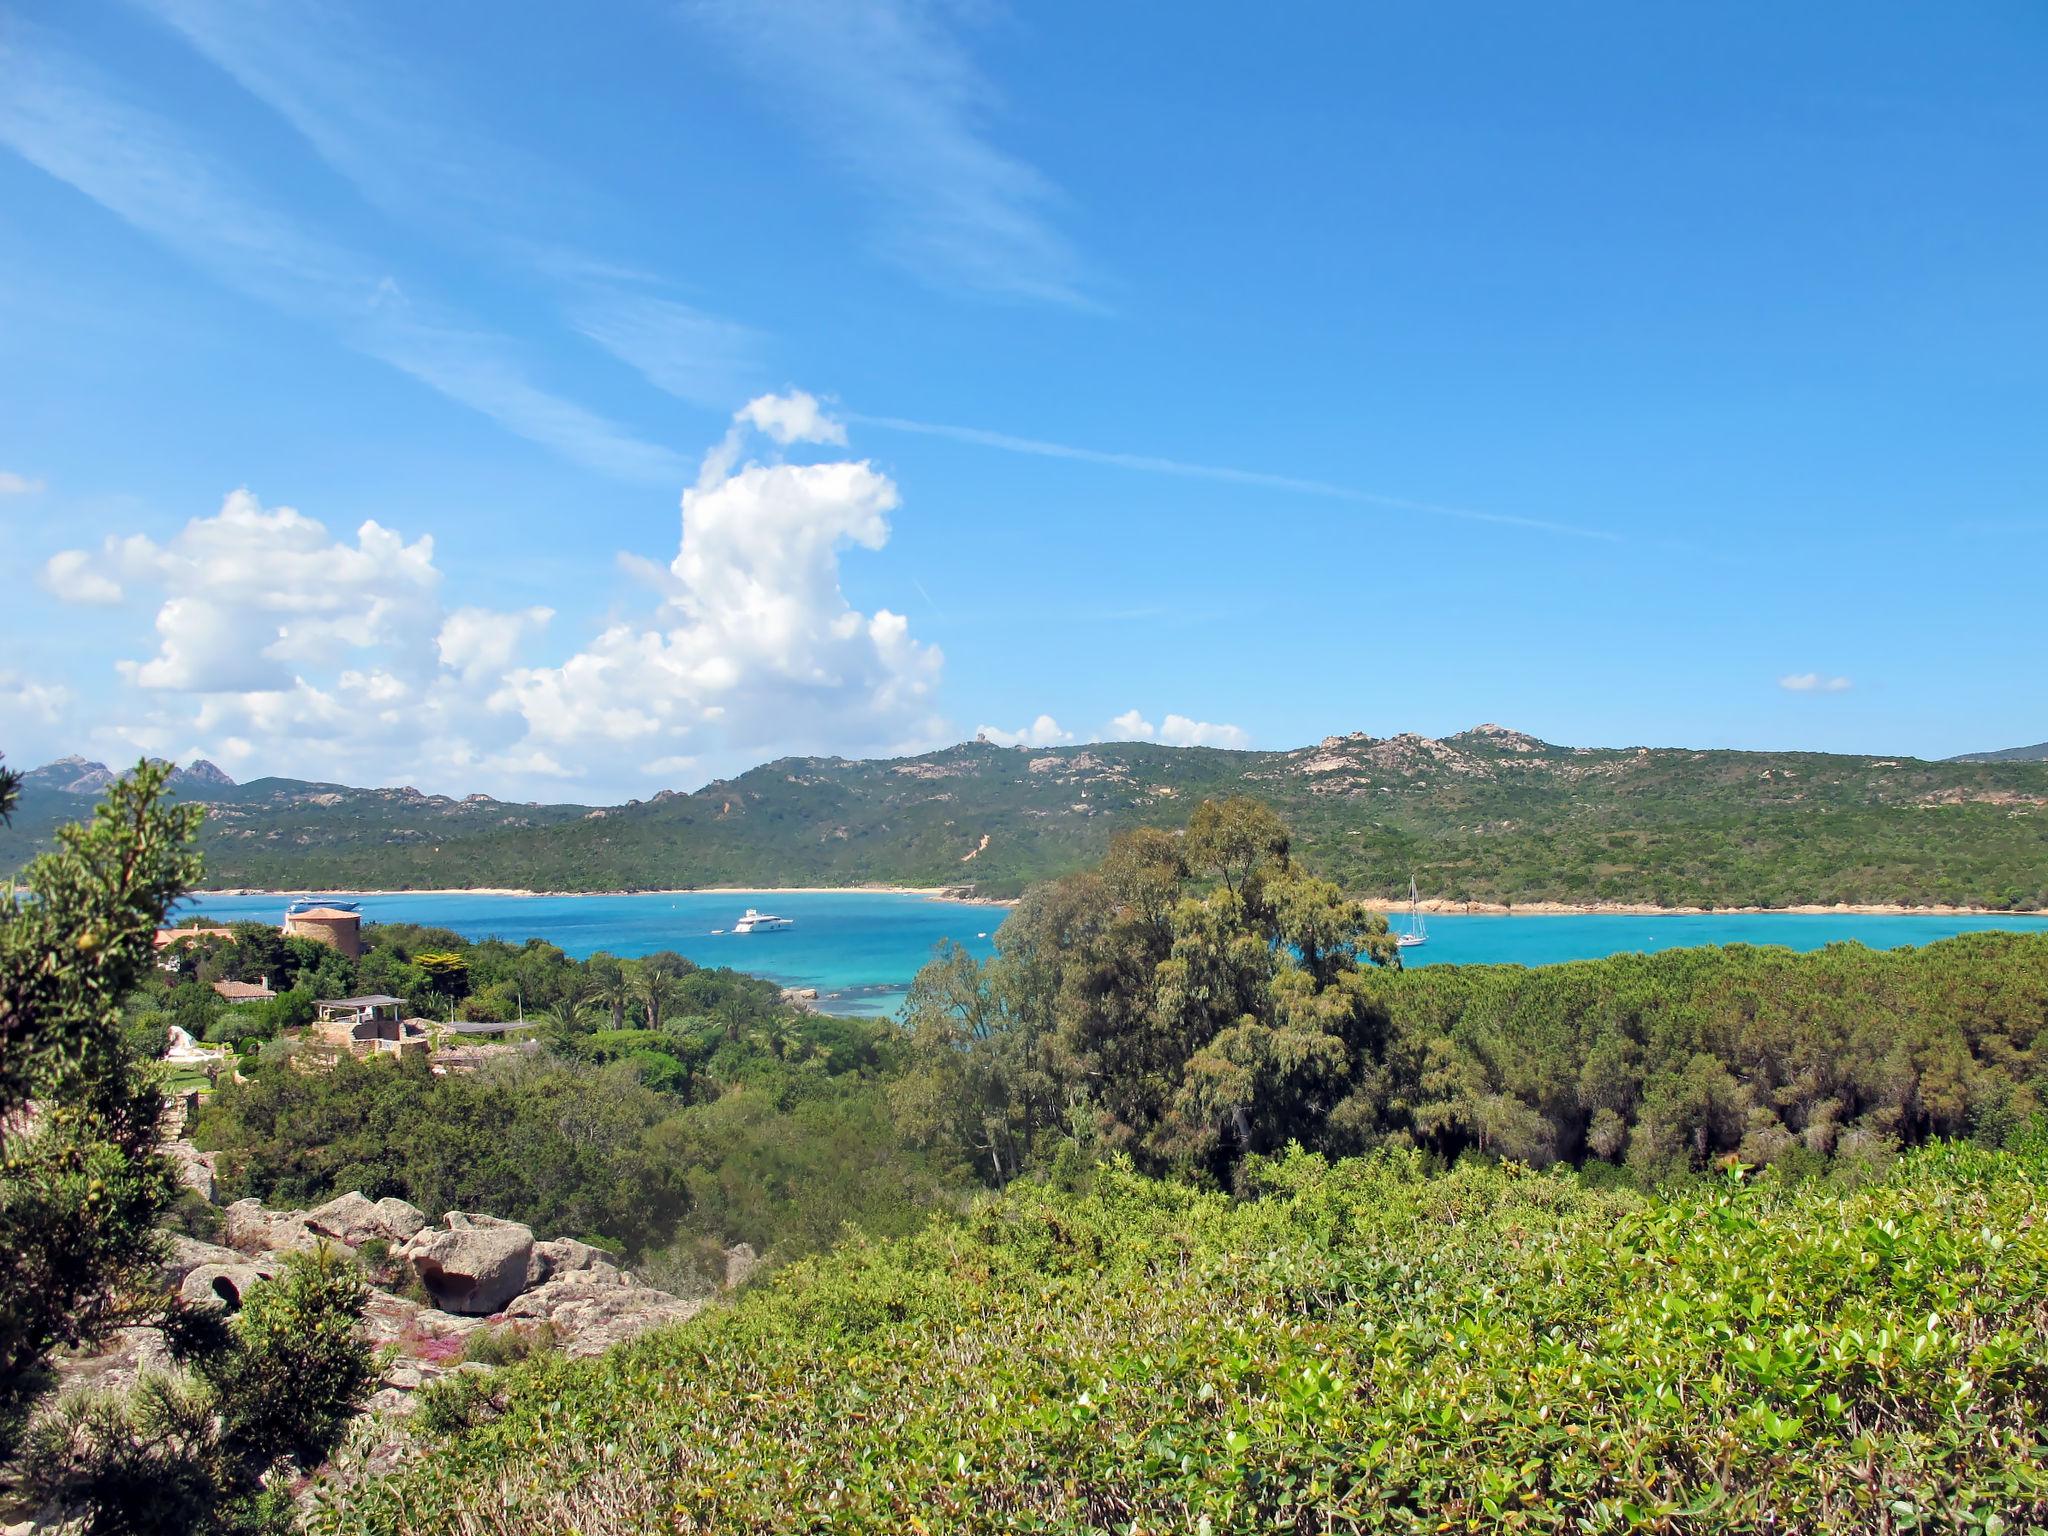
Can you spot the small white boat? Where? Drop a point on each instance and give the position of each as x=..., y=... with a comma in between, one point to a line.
x=761, y=922
x=1418, y=930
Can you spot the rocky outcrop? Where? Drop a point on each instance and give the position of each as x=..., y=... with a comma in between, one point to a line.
x=565, y=1255
x=589, y=1314
x=474, y=1266
x=194, y=1167
x=740, y=1263
x=224, y=1285
x=402, y=1219
x=184, y=1254
x=250, y=1228
x=355, y=1220
x=479, y=1272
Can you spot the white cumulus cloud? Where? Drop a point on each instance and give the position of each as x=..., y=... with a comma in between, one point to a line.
x=1176, y=731
x=1042, y=732
x=24, y=698
x=296, y=651
x=251, y=594
x=70, y=575
x=480, y=641
x=12, y=484
x=1814, y=682
x=755, y=646
x=792, y=418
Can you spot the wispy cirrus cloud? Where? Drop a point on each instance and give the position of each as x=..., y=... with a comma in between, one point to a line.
x=12, y=484
x=889, y=92
x=1152, y=465
x=62, y=116
x=364, y=110
x=690, y=354
x=397, y=135
x=1814, y=682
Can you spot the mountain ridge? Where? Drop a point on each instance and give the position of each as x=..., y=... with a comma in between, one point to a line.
x=2037, y=753
x=1486, y=814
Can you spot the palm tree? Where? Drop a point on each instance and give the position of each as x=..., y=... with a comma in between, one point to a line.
x=563, y=1018
x=613, y=987
x=657, y=992
x=579, y=991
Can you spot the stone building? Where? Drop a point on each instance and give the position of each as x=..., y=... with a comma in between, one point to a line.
x=337, y=927
x=368, y=1026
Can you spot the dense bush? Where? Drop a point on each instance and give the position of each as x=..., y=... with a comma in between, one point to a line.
x=201, y=1448
x=1360, y=1346
x=649, y=1142
x=1194, y=1018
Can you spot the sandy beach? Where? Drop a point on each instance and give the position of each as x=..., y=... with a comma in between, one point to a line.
x=962, y=894
x=1439, y=905
x=1434, y=905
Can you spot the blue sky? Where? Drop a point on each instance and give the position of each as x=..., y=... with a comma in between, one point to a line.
x=565, y=405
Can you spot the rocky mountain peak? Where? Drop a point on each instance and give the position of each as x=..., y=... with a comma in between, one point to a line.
x=73, y=775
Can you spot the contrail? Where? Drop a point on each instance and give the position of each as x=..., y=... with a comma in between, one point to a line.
x=1147, y=464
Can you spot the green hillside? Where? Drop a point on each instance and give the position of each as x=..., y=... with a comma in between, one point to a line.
x=1359, y=1347
x=2037, y=753
x=1487, y=815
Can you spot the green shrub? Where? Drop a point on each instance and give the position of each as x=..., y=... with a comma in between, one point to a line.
x=1358, y=1346
x=195, y=1216
x=450, y=1404
x=508, y=1345
x=193, y=1451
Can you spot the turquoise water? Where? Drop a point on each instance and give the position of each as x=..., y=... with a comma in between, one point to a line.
x=860, y=948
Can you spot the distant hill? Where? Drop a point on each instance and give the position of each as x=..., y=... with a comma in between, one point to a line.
x=1489, y=814
x=2037, y=753
x=78, y=776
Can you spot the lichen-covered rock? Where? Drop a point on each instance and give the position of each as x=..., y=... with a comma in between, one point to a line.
x=740, y=1263
x=224, y=1285
x=184, y=1254
x=590, y=1317
x=476, y=1265
x=401, y=1218
x=565, y=1255
x=352, y=1218
x=247, y=1226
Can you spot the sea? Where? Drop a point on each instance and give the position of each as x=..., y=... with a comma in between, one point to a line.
x=859, y=949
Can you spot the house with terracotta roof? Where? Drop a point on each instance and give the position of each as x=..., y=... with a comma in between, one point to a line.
x=165, y=937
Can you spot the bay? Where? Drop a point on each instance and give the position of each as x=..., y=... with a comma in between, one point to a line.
x=859, y=949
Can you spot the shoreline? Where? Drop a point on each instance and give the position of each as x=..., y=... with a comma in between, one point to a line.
x=954, y=893
x=1434, y=906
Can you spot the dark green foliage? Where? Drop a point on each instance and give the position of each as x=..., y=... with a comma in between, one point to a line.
x=1358, y=1347
x=1484, y=816
x=190, y=1452
x=80, y=1185
x=739, y=1119
x=1196, y=1026
x=1195, y=1023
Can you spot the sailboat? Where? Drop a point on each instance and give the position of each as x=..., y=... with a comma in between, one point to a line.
x=1418, y=930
